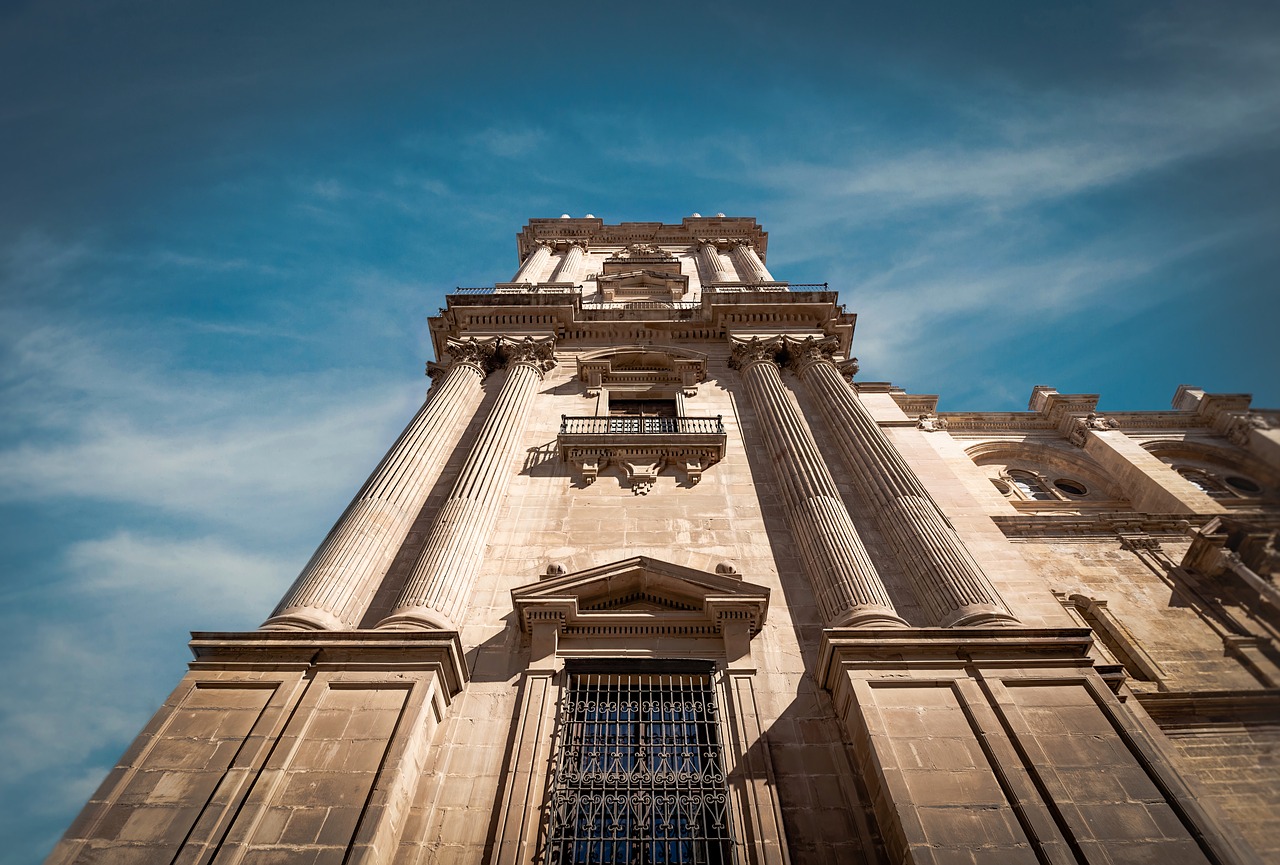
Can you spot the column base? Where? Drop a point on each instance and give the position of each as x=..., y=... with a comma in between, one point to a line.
x=979, y=617
x=304, y=620
x=417, y=620
x=874, y=617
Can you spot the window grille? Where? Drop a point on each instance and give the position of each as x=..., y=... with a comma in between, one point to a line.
x=639, y=774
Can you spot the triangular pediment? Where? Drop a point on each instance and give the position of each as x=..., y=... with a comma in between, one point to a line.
x=642, y=592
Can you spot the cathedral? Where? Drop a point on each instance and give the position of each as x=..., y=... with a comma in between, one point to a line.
x=653, y=576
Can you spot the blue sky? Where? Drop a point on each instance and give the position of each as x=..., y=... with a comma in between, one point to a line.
x=223, y=224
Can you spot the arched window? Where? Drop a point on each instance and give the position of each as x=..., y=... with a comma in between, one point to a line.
x=1031, y=486
x=1206, y=483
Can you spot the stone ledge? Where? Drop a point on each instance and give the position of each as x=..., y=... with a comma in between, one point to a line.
x=1021, y=646
x=1192, y=709
x=353, y=650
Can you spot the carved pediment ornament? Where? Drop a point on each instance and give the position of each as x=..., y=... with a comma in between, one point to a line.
x=644, y=594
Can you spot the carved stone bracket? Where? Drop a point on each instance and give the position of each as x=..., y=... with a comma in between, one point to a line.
x=930, y=422
x=1080, y=427
x=1240, y=425
x=642, y=464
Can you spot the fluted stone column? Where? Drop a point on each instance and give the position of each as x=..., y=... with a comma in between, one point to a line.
x=747, y=260
x=947, y=579
x=567, y=269
x=334, y=589
x=712, y=263
x=437, y=591
x=849, y=591
x=533, y=264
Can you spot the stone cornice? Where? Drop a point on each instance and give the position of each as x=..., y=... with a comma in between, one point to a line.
x=612, y=238
x=1024, y=647
x=1209, y=709
x=1101, y=526
x=641, y=595
x=352, y=650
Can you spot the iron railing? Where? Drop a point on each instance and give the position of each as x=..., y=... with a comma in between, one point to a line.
x=637, y=425
x=641, y=304
x=639, y=774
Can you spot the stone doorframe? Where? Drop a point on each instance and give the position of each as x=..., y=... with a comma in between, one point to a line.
x=641, y=608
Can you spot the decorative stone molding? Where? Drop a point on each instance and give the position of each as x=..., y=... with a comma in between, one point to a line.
x=1239, y=427
x=930, y=422
x=643, y=595
x=537, y=353
x=755, y=350
x=1081, y=426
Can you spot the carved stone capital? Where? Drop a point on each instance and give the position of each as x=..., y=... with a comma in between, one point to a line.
x=802, y=354
x=848, y=368
x=538, y=353
x=472, y=351
x=748, y=352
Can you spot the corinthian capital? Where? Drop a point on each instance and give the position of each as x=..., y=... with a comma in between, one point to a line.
x=472, y=351
x=804, y=353
x=749, y=351
x=538, y=353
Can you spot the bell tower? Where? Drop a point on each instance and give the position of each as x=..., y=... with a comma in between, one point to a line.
x=652, y=577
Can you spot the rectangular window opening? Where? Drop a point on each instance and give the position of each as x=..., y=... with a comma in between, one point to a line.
x=639, y=774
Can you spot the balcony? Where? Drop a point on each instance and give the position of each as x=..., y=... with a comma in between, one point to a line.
x=628, y=425
x=642, y=446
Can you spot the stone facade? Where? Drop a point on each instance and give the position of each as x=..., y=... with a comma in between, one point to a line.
x=920, y=636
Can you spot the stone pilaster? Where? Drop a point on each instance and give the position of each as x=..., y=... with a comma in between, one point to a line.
x=711, y=262
x=947, y=579
x=533, y=264
x=334, y=589
x=570, y=263
x=437, y=590
x=747, y=260
x=848, y=589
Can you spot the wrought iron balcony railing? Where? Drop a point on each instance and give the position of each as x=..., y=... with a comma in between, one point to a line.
x=624, y=425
